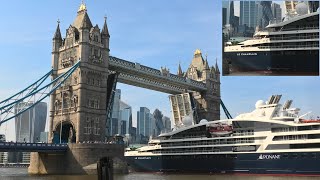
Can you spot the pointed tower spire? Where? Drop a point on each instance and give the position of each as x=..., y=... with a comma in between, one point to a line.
x=179, y=73
x=206, y=64
x=105, y=30
x=212, y=69
x=217, y=68
x=57, y=34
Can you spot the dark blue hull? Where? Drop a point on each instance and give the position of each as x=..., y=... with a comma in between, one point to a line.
x=302, y=62
x=253, y=163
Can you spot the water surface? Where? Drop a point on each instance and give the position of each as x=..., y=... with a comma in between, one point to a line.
x=21, y=174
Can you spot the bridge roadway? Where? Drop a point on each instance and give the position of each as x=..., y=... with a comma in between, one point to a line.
x=32, y=147
x=142, y=76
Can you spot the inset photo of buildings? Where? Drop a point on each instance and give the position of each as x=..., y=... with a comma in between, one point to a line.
x=277, y=38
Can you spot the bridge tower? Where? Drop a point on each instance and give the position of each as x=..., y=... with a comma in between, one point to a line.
x=208, y=102
x=78, y=108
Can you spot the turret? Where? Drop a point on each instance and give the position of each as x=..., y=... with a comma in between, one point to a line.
x=179, y=73
x=206, y=70
x=217, y=71
x=213, y=72
x=105, y=36
x=206, y=64
x=57, y=39
x=56, y=44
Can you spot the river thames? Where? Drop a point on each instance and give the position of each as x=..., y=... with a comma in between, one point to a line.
x=21, y=173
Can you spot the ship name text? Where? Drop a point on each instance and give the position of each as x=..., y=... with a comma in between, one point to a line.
x=269, y=156
x=247, y=54
x=143, y=158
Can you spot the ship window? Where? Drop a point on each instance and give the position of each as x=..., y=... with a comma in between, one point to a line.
x=313, y=155
x=294, y=155
x=285, y=156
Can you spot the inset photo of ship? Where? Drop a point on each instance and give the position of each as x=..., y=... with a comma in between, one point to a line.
x=270, y=38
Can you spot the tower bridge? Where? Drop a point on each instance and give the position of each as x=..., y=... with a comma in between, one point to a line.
x=79, y=109
x=81, y=101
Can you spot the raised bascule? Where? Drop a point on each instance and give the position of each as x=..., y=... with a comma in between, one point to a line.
x=81, y=100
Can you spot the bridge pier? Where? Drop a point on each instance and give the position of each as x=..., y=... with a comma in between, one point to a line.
x=74, y=160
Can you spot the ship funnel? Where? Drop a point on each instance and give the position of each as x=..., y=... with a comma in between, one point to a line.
x=287, y=104
x=274, y=99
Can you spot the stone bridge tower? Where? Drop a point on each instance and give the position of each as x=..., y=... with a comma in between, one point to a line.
x=208, y=103
x=78, y=108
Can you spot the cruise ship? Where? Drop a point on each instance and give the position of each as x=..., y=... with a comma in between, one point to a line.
x=272, y=139
x=290, y=47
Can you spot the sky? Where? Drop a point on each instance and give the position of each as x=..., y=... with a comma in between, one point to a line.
x=161, y=33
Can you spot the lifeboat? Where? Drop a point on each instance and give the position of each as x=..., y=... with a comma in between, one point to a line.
x=220, y=129
x=310, y=120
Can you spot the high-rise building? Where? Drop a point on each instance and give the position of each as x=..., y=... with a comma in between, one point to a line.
x=114, y=123
x=133, y=134
x=228, y=7
x=248, y=13
x=114, y=126
x=126, y=116
x=159, y=126
x=31, y=123
x=123, y=127
x=276, y=12
x=144, y=122
x=224, y=16
x=44, y=137
x=313, y=6
x=265, y=13
x=237, y=20
x=28, y=126
x=167, y=123
x=3, y=155
x=228, y=18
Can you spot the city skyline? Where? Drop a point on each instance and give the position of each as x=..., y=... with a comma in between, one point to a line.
x=237, y=7
x=171, y=35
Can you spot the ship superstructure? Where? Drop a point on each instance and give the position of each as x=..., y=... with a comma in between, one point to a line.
x=273, y=138
x=287, y=47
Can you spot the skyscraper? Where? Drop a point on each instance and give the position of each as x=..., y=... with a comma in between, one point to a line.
x=125, y=117
x=31, y=123
x=313, y=6
x=114, y=124
x=266, y=13
x=167, y=123
x=228, y=7
x=144, y=122
x=159, y=125
x=28, y=127
x=276, y=12
x=248, y=13
x=3, y=155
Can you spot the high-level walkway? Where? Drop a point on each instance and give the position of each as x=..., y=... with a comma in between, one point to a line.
x=146, y=77
x=32, y=147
